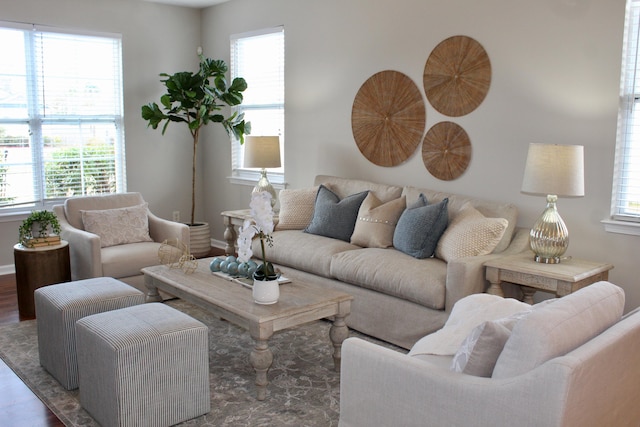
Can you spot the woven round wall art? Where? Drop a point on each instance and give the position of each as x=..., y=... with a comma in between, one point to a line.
x=446, y=151
x=388, y=118
x=457, y=76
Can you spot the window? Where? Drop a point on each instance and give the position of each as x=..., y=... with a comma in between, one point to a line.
x=258, y=57
x=61, y=128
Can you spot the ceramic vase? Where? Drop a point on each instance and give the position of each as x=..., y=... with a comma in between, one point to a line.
x=266, y=291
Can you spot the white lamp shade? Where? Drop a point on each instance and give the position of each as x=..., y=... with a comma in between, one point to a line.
x=554, y=169
x=262, y=152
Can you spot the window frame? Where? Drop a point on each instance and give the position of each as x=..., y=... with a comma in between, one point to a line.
x=36, y=120
x=250, y=176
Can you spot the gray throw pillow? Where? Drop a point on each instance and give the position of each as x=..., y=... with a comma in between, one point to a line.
x=420, y=227
x=333, y=217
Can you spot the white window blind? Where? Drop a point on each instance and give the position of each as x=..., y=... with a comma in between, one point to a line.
x=626, y=190
x=61, y=130
x=258, y=57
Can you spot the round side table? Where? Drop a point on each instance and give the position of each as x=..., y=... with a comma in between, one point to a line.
x=37, y=267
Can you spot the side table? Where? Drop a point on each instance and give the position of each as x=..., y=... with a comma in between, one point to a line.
x=560, y=279
x=38, y=267
x=231, y=220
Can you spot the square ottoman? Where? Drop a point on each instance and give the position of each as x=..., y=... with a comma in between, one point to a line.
x=146, y=365
x=59, y=306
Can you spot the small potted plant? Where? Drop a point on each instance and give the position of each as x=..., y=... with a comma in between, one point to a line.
x=41, y=228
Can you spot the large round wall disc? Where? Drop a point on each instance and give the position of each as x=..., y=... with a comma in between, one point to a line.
x=446, y=151
x=388, y=118
x=457, y=76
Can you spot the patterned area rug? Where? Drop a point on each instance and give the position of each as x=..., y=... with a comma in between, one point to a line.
x=303, y=387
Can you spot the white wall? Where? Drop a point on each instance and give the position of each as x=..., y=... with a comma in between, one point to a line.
x=556, y=68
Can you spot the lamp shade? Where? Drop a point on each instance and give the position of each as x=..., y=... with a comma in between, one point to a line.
x=262, y=152
x=554, y=169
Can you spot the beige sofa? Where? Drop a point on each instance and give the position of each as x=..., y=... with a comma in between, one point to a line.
x=398, y=297
x=569, y=363
x=115, y=236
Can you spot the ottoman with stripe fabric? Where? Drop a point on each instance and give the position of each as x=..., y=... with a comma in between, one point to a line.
x=58, y=307
x=146, y=365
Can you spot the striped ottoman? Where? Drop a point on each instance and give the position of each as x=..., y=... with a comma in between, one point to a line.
x=57, y=309
x=146, y=365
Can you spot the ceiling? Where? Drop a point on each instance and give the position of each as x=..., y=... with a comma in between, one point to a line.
x=190, y=3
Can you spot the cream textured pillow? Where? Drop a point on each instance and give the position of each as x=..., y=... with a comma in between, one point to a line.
x=470, y=234
x=118, y=226
x=377, y=221
x=296, y=208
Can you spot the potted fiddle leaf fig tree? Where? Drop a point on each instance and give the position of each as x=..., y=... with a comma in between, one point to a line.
x=197, y=99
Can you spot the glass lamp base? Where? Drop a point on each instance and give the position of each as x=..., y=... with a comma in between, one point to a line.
x=264, y=185
x=547, y=260
x=549, y=237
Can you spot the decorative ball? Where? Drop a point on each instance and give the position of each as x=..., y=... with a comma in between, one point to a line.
x=188, y=263
x=170, y=252
x=231, y=258
x=232, y=268
x=252, y=269
x=214, y=265
x=223, y=266
x=243, y=269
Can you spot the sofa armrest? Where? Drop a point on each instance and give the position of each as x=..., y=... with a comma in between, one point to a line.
x=84, y=248
x=161, y=229
x=466, y=276
x=379, y=386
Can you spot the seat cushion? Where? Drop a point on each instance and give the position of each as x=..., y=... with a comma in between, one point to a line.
x=555, y=329
x=394, y=273
x=127, y=260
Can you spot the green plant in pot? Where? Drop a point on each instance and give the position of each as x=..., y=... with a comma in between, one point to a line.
x=197, y=99
x=37, y=226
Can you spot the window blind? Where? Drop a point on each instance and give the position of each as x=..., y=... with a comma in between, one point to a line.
x=258, y=57
x=61, y=130
x=626, y=191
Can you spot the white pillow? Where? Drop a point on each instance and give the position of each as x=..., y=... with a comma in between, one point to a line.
x=470, y=234
x=296, y=208
x=118, y=226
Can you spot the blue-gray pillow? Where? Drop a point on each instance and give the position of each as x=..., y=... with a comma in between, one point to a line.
x=420, y=227
x=333, y=217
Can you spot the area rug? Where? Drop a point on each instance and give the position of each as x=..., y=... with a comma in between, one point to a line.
x=303, y=390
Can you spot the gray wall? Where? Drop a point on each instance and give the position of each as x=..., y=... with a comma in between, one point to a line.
x=556, y=67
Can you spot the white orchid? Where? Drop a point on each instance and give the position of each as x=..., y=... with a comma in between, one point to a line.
x=247, y=231
x=262, y=225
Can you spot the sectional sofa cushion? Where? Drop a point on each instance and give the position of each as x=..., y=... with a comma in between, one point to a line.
x=118, y=226
x=556, y=329
x=296, y=208
x=335, y=217
x=377, y=221
x=470, y=234
x=420, y=227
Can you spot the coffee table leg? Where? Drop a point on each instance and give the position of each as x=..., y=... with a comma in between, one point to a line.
x=261, y=359
x=338, y=333
x=152, y=292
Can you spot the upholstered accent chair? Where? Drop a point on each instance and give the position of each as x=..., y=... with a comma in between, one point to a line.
x=115, y=236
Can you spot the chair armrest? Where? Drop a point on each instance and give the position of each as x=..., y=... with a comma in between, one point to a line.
x=84, y=248
x=379, y=386
x=161, y=229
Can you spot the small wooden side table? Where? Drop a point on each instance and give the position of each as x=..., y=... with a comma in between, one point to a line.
x=38, y=267
x=560, y=279
x=231, y=220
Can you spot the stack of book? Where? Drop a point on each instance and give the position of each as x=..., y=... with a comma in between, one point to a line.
x=37, y=242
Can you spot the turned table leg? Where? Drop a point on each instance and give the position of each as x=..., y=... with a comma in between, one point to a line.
x=152, y=291
x=493, y=276
x=230, y=237
x=338, y=333
x=261, y=359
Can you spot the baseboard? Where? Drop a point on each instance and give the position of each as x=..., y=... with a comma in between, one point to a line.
x=7, y=269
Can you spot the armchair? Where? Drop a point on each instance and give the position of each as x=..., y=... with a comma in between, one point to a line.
x=569, y=363
x=116, y=243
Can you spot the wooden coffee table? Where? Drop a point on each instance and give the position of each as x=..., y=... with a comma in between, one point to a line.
x=299, y=303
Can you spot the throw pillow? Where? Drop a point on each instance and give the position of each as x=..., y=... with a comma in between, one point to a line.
x=296, y=208
x=118, y=226
x=470, y=234
x=480, y=350
x=420, y=227
x=333, y=217
x=377, y=221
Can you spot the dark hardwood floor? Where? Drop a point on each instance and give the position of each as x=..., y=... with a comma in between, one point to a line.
x=18, y=405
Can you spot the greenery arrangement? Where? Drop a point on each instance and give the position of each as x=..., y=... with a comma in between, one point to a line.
x=46, y=220
x=197, y=99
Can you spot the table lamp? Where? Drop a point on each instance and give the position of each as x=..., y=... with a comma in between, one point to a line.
x=262, y=152
x=552, y=170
